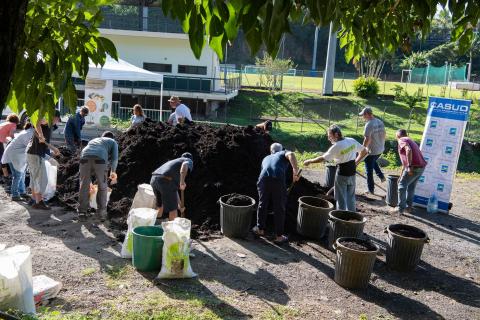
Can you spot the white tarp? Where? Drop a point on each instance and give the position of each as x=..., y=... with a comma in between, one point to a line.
x=121, y=70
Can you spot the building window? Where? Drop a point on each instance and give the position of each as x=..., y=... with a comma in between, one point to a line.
x=192, y=69
x=157, y=67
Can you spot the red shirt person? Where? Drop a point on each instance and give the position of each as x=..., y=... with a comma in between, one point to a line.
x=413, y=165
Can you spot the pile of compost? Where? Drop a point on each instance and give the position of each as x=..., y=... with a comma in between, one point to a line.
x=226, y=160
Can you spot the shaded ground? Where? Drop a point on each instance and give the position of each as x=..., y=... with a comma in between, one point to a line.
x=243, y=279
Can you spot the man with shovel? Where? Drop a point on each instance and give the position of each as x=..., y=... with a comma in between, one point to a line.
x=167, y=180
x=94, y=159
x=346, y=153
x=272, y=188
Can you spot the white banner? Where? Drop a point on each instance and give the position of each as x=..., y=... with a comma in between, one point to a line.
x=98, y=99
x=441, y=145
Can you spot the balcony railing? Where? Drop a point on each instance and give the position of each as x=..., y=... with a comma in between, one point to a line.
x=137, y=19
x=186, y=84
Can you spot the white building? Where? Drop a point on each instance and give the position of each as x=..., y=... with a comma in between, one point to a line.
x=153, y=42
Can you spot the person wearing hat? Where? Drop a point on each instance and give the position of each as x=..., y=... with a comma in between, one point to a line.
x=38, y=151
x=374, y=140
x=73, y=129
x=94, y=160
x=272, y=189
x=345, y=153
x=167, y=180
x=181, y=113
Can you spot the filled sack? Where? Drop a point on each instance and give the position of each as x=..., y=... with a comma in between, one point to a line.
x=176, y=250
x=144, y=198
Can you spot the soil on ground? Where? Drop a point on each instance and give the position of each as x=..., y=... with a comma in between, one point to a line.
x=255, y=279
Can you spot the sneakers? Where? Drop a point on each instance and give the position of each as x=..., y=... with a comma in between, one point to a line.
x=408, y=209
x=383, y=179
x=259, y=233
x=17, y=198
x=41, y=206
x=397, y=210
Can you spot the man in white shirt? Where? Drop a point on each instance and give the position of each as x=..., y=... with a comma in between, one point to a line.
x=346, y=153
x=181, y=112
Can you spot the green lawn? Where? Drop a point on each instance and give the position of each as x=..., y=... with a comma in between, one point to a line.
x=312, y=84
x=309, y=137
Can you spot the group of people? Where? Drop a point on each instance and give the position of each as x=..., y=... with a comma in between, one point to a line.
x=346, y=153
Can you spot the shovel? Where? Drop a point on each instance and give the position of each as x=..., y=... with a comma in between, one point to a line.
x=182, y=203
x=293, y=182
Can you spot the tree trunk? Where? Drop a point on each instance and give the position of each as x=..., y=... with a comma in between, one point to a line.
x=12, y=15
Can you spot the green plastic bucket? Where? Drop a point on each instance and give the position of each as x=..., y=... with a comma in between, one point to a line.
x=147, y=248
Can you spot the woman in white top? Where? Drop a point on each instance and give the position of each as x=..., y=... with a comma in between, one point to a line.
x=16, y=159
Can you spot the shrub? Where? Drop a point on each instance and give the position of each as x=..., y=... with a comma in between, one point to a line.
x=366, y=87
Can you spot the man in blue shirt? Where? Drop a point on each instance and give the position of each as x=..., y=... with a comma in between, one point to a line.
x=73, y=129
x=94, y=160
x=272, y=188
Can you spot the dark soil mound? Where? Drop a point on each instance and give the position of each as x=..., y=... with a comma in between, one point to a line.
x=238, y=200
x=226, y=160
x=407, y=231
x=358, y=245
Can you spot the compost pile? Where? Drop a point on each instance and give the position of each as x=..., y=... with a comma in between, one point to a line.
x=226, y=160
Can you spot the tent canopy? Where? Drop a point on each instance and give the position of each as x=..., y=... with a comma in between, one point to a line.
x=121, y=70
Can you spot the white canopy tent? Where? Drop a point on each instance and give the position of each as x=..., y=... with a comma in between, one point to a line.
x=122, y=70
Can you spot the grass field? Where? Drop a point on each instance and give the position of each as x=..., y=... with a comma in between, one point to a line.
x=314, y=84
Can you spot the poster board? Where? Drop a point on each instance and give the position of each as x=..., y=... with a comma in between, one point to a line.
x=98, y=99
x=441, y=144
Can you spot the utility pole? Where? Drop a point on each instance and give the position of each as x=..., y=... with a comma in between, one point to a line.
x=330, y=64
x=314, y=58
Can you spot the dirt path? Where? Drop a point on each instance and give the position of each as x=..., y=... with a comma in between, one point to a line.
x=243, y=279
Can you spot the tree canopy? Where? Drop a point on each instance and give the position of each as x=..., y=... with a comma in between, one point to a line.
x=60, y=36
x=365, y=26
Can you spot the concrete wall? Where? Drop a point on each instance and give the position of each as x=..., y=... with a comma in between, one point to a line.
x=137, y=47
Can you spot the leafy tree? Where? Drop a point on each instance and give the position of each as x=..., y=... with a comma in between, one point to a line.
x=364, y=26
x=60, y=36
x=272, y=70
x=415, y=60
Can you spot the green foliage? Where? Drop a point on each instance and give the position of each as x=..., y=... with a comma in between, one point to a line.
x=272, y=70
x=364, y=26
x=411, y=100
x=60, y=38
x=415, y=60
x=366, y=87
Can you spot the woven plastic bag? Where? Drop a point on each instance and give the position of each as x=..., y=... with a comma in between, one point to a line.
x=92, y=196
x=176, y=250
x=136, y=217
x=144, y=198
x=16, y=290
x=51, y=166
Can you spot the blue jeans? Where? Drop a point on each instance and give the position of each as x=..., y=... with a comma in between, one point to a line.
x=18, y=182
x=370, y=165
x=406, y=187
x=345, y=192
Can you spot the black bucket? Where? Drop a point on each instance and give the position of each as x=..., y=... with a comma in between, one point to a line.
x=235, y=221
x=312, y=216
x=392, y=190
x=345, y=224
x=353, y=267
x=330, y=172
x=404, y=246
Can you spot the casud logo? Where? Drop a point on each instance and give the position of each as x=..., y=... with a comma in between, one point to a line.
x=429, y=142
x=440, y=187
x=433, y=124
x=448, y=150
x=444, y=168
x=449, y=106
x=421, y=179
x=427, y=159
x=453, y=131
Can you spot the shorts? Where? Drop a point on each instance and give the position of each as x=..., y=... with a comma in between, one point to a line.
x=36, y=167
x=166, y=193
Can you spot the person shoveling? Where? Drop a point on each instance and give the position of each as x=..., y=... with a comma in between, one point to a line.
x=94, y=160
x=167, y=180
x=272, y=188
x=346, y=153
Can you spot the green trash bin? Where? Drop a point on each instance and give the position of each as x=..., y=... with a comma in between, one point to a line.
x=147, y=248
